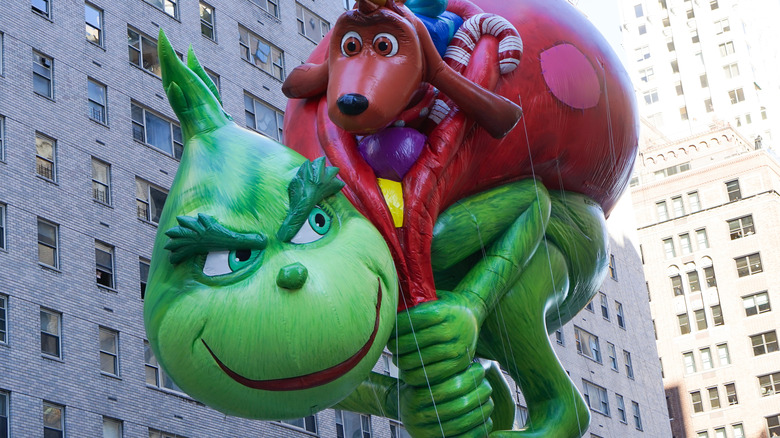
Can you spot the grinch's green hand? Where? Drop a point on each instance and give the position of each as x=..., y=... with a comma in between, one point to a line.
x=458, y=407
x=437, y=339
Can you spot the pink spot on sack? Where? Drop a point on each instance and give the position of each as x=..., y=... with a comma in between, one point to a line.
x=570, y=76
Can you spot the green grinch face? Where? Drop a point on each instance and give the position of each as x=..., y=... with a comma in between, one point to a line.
x=269, y=295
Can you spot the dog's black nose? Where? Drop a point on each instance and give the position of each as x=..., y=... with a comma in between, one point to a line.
x=352, y=104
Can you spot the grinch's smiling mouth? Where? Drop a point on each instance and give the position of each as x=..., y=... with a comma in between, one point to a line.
x=310, y=380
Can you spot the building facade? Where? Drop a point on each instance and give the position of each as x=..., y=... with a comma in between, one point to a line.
x=707, y=209
x=697, y=64
x=88, y=149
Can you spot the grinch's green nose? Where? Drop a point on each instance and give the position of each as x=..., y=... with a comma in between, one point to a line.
x=292, y=276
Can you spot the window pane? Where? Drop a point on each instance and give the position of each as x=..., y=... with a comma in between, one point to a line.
x=158, y=133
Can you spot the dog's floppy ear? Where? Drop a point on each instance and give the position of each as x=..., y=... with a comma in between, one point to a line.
x=307, y=80
x=495, y=114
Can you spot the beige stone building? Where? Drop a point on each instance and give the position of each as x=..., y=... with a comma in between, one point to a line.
x=708, y=210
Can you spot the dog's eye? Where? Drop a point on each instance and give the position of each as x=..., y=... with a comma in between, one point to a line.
x=385, y=44
x=351, y=43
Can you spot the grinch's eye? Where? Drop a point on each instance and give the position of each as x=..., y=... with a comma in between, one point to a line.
x=227, y=262
x=315, y=227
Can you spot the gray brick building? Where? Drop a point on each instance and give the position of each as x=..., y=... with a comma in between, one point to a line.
x=88, y=148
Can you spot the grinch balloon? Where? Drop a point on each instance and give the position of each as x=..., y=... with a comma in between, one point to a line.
x=477, y=147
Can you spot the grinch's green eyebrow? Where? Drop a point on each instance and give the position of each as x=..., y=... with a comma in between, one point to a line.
x=201, y=235
x=314, y=182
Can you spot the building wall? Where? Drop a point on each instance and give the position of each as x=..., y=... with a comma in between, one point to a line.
x=74, y=380
x=715, y=158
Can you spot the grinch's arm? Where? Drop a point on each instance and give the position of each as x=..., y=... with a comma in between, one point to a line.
x=377, y=395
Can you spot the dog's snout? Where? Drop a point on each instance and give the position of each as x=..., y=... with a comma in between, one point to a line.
x=352, y=104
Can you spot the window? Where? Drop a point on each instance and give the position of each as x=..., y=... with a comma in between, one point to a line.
x=112, y=428
x=559, y=337
x=706, y=358
x=521, y=417
x=714, y=397
x=694, y=36
x=646, y=74
x=670, y=41
x=53, y=424
x=214, y=78
x=104, y=264
x=621, y=408
x=270, y=6
x=101, y=181
x=685, y=244
x=48, y=241
x=261, y=117
x=689, y=362
x=154, y=433
x=701, y=319
x=3, y=322
x=97, y=101
x=50, y=333
x=207, y=28
x=736, y=96
x=677, y=206
x=693, y=202
x=773, y=425
x=661, y=211
x=662, y=4
x=170, y=7
x=397, y=430
x=143, y=268
x=621, y=320
x=310, y=25
x=43, y=75
x=693, y=281
x=673, y=170
x=42, y=7
x=150, y=200
x=675, y=66
x=717, y=315
x=45, y=157
x=613, y=362
x=93, y=18
x=2, y=226
x=678, y=88
x=629, y=364
x=669, y=248
x=756, y=303
x=769, y=384
x=701, y=238
x=684, y=113
x=2, y=119
x=638, y=11
x=741, y=227
x=643, y=53
x=308, y=423
x=713, y=4
x=722, y=26
x=109, y=351
x=4, y=414
x=726, y=48
x=709, y=274
x=737, y=431
x=749, y=265
x=642, y=29
x=143, y=52
x=612, y=267
x=155, y=376
x=698, y=406
x=731, y=70
x=596, y=397
x=153, y=130
x=637, y=416
x=708, y=105
x=261, y=53
x=733, y=190
x=684, y=323
x=587, y=344
x=651, y=96
x=677, y=286
x=731, y=394
x=764, y=343
x=723, y=355
x=689, y=13
x=589, y=306
x=703, y=81
x=352, y=425
x=604, y=306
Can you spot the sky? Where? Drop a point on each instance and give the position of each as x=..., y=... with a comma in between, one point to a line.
x=604, y=14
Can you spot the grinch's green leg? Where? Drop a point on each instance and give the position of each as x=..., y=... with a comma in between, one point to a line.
x=516, y=335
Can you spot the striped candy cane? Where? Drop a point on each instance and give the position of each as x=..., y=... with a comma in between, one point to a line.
x=510, y=46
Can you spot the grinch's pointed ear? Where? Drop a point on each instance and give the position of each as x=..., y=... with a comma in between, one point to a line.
x=195, y=103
